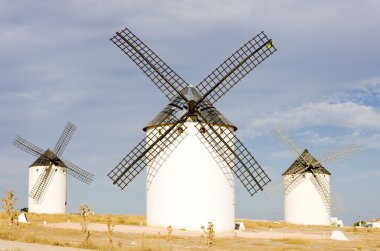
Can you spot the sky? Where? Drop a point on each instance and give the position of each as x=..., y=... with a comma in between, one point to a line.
x=57, y=64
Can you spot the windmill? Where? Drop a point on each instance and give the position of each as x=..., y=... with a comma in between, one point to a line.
x=308, y=199
x=190, y=149
x=48, y=169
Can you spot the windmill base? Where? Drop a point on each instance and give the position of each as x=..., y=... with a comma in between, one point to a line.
x=53, y=201
x=190, y=189
x=304, y=205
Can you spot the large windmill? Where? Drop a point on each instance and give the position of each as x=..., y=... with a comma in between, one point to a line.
x=308, y=199
x=47, y=175
x=190, y=149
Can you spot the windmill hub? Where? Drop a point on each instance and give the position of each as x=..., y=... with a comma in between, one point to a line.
x=192, y=106
x=179, y=106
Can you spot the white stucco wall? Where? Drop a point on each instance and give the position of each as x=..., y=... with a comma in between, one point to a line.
x=303, y=204
x=54, y=201
x=190, y=189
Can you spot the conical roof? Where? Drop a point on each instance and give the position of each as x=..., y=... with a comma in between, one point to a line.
x=48, y=157
x=299, y=166
x=177, y=107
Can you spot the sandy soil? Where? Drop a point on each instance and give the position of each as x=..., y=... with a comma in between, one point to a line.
x=274, y=234
x=16, y=245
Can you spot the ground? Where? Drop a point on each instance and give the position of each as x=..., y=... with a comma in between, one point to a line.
x=131, y=233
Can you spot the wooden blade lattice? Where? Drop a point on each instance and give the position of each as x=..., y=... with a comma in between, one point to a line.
x=237, y=66
x=236, y=156
x=28, y=147
x=322, y=186
x=146, y=151
x=64, y=139
x=293, y=182
x=220, y=160
x=339, y=154
x=78, y=172
x=42, y=183
x=156, y=162
x=287, y=141
x=160, y=73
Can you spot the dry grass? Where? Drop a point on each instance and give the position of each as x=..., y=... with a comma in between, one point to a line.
x=135, y=220
x=258, y=225
x=360, y=239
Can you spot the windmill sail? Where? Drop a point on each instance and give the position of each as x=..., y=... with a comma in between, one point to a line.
x=154, y=68
x=186, y=101
x=237, y=66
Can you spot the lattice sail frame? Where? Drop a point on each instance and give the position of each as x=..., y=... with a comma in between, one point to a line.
x=322, y=186
x=235, y=155
x=28, y=147
x=261, y=46
x=156, y=162
x=157, y=70
x=213, y=87
x=145, y=152
x=224, y=167
x=64, y=139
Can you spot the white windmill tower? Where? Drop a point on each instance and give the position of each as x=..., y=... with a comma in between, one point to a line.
x=49, y=169
x=308, y=199
x=190, y=149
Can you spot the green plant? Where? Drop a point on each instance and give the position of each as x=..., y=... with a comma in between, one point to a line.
x=359, y=223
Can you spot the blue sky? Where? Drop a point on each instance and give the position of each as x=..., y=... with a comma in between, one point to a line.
x=323, y=85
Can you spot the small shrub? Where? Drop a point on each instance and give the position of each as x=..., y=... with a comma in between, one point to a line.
x=8, y=203
x=209, y=235
x=359, y=223
x=110, y=227
x=170, y=230
x=85, y=211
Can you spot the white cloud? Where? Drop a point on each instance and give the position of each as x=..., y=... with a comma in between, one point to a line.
x=363, y=92
x=344, y=115
x=317, y=139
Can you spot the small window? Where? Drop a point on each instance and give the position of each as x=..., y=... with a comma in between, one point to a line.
x=202, y=130
x=180, y=130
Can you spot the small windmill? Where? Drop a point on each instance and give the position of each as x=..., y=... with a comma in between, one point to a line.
x=190, y=148
x=306, y=183
x=50, y=168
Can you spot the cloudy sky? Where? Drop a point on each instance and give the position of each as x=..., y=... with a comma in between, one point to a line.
x=323, y=85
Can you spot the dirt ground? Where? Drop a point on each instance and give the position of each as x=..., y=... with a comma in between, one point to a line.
x=16, y=245
x=264, y=234
x=131, y=233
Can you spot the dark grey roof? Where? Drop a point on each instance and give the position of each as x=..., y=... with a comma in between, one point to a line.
x=299, y=165
x=48, y=157
x=177, y=107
